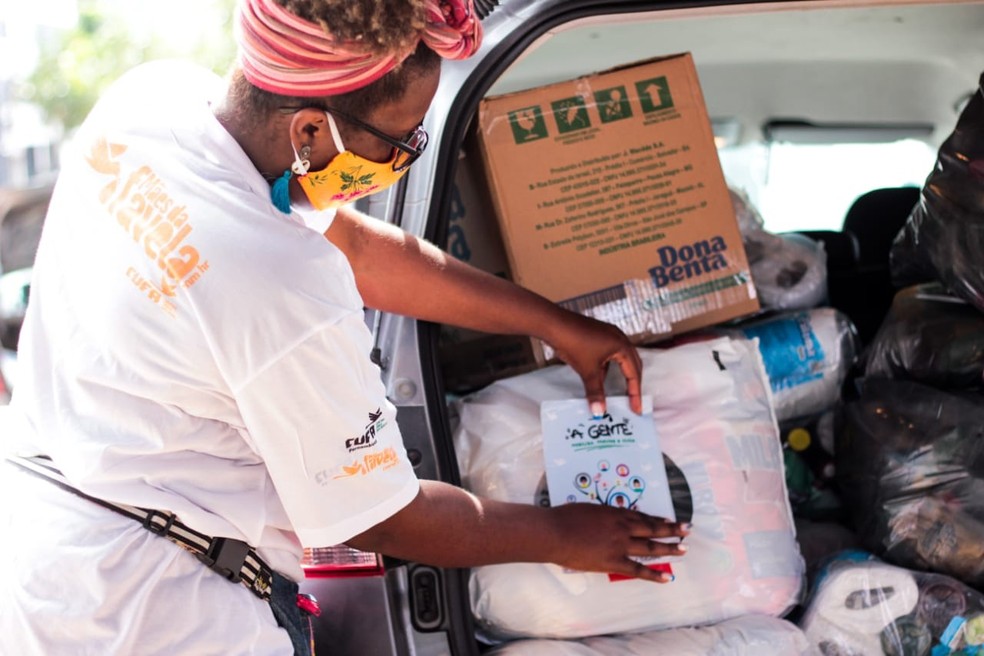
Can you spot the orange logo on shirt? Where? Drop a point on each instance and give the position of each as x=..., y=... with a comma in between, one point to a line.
x=141, y=206
x=370, y=462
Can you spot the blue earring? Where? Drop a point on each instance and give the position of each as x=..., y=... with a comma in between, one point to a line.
x=280, y=192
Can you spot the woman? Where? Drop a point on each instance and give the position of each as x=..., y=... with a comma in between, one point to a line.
x=195, y=347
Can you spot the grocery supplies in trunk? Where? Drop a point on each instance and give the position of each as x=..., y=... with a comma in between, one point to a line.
x=929, y=337
x=910, y=466
x=808, y=355
x=713, y=412
x=861, y=605
x=944, y=236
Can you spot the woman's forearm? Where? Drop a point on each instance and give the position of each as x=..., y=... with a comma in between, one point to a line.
x=399, y=273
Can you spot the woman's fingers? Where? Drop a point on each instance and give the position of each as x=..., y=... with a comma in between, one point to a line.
x=642, y=525
x=655, y=548
x=603, y=539
x=630, y=363
x=638, y=570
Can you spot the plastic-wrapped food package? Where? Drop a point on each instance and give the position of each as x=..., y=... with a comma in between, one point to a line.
x=929, y=337
x=713, y=413
x=861, y=606
x=789, y=271
x=808, y=355
x=943, y=238
x=751, y=635
x=910, y=467
x=748, y=217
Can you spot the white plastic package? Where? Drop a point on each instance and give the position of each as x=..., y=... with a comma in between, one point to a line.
x=752, y=635
x=713, y=412
x=808, y=355
x=789, y=270
x=862, y=605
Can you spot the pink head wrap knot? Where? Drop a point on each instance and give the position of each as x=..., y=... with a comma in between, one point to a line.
x=285, y=54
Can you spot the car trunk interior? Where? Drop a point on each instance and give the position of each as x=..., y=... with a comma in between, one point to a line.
x=770, y=73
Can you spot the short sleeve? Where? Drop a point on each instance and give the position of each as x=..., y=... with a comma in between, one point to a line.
x=317, y=221
x=319, y=417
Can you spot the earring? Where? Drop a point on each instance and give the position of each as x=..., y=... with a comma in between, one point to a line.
x=301, y=162
x=280, y=193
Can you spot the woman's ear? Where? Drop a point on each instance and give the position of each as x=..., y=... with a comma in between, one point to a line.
x=309, y=127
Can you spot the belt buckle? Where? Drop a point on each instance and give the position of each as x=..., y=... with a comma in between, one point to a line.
x=226, y=556
x=159, y=529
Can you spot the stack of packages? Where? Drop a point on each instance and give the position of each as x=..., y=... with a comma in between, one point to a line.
x=810, y=350
x=713, y=411
x=910, y=459
x=611, y=202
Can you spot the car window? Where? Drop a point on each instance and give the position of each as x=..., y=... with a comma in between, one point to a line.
x=811, y=186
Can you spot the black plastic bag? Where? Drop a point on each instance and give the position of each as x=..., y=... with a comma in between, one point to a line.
x=910, y=467
x=943, y=238
x=931, y=338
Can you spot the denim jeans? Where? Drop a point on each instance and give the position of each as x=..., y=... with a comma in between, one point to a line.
x=283, y=602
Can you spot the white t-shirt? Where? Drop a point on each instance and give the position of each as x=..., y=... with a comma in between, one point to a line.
x=190, y=348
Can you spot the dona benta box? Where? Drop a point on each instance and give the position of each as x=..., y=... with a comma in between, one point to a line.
x=611, y=200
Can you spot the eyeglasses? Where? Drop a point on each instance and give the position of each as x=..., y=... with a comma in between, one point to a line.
x=408, y=150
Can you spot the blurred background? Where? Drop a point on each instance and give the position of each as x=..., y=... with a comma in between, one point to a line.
x=57, y=56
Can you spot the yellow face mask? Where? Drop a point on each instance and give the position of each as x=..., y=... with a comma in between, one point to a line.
x=348, y=176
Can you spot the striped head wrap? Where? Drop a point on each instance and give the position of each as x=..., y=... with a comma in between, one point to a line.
x=285, y=54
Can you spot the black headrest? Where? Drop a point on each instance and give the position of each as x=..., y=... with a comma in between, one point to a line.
x=876, y=217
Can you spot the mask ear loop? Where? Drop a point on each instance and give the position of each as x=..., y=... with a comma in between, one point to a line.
x=301, y=164
x=336, y=137
x=280, y=192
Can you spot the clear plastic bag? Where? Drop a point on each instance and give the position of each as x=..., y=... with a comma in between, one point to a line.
x=861, y=606
x=789, y=271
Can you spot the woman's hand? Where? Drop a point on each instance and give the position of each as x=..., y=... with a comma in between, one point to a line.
x=589, y=346
x=598, y=538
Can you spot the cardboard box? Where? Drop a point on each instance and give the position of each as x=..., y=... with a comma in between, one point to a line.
x=611, y=199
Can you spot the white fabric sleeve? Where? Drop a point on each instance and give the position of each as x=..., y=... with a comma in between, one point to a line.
x=319, y=417
x=317, y=221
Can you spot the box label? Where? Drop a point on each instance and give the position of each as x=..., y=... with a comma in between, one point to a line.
x=528, y=124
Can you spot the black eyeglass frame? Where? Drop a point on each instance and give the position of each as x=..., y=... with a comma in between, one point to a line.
x=412, y=153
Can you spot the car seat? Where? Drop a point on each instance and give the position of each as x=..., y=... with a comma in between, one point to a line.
x=875, y=218
x=843, y=257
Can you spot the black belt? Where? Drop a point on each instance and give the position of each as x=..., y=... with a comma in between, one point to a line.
x=233, y=559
